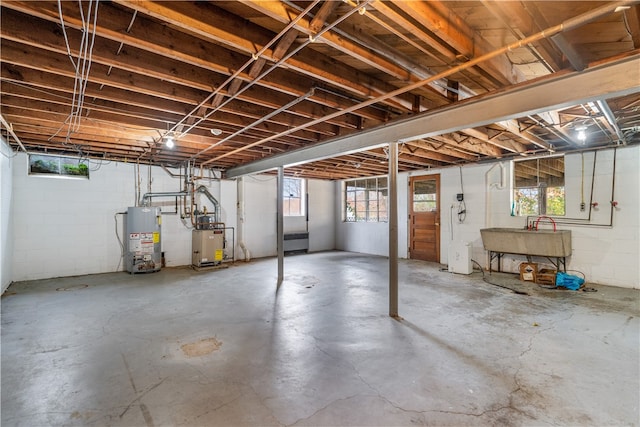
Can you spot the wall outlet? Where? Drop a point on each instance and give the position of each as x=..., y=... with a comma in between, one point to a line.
x=582, y=207
x=459, y=197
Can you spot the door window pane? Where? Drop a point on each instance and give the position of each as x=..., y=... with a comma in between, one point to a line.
x=424, y=196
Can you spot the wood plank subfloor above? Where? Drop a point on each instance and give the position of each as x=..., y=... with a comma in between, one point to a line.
x=225, y=84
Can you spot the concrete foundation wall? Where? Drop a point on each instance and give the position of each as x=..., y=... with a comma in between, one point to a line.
x=65, y=227
x=6, y=201
x=606, y=254
x=61, y=227
x=322, y=219
x=261, y=216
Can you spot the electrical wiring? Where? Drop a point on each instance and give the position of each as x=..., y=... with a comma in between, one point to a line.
x=280, y=61
x=64, y=32
x=263, y=180
x=82, y=67
x=484, y=279
x=462, y=207
x=14, y=154
x=462, y=211
x=98, y=164
x=6, y=141
x=102, y=107
x=254, y=57
x=86, y=48
x=115, y=218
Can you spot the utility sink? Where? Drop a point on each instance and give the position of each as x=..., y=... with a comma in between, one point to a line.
x=547, y=243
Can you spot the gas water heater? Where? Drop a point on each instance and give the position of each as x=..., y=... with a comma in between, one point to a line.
x=143, y=252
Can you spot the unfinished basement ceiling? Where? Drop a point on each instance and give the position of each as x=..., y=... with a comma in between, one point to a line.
x=235, y=82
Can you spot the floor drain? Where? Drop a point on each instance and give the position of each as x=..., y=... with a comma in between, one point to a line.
x=72, y=288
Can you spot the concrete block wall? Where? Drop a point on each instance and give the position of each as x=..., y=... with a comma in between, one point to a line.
x=65, y=227
x=261, y=215
x=6, y=202
x=605, y=254
x=610, y=254
x=55, y=227
x=322, y=219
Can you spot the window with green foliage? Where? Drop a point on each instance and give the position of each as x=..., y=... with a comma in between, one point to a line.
x=539, y=186
x=365, y=200
x=60, y=166
x=294, y=201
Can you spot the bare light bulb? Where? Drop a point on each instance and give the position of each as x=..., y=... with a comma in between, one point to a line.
x=582, y=136
x=170, y=143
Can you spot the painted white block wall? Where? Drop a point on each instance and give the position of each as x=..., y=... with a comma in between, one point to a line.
x=6, y=200
x=64, y=227
x=370, y=237
x=261, y=216
x=322, y=219
x=605, y=254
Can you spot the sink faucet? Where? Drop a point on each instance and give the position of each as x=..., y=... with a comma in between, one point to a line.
x=545, y=217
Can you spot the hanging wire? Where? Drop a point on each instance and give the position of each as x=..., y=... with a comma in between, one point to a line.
x=82, y=67
x=64, y=32
x=8, y=144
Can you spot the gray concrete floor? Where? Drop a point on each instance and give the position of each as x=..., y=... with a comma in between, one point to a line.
x=187, y=348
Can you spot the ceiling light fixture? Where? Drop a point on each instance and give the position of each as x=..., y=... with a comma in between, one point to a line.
x=582, y=135
x=169, y=141
x=216, y=132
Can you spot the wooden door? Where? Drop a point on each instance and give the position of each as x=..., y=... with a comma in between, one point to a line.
x=424, y=218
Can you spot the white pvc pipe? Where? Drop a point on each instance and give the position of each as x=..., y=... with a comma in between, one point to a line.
x=245, y=250
x=488, y=187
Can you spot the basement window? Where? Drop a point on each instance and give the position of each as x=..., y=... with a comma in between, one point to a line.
x=365, y=200
x=58, y=166
x=294, y=197
x=539, y=187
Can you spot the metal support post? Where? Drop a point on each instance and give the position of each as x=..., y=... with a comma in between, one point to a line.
x=392, y=204
x=280, y=227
